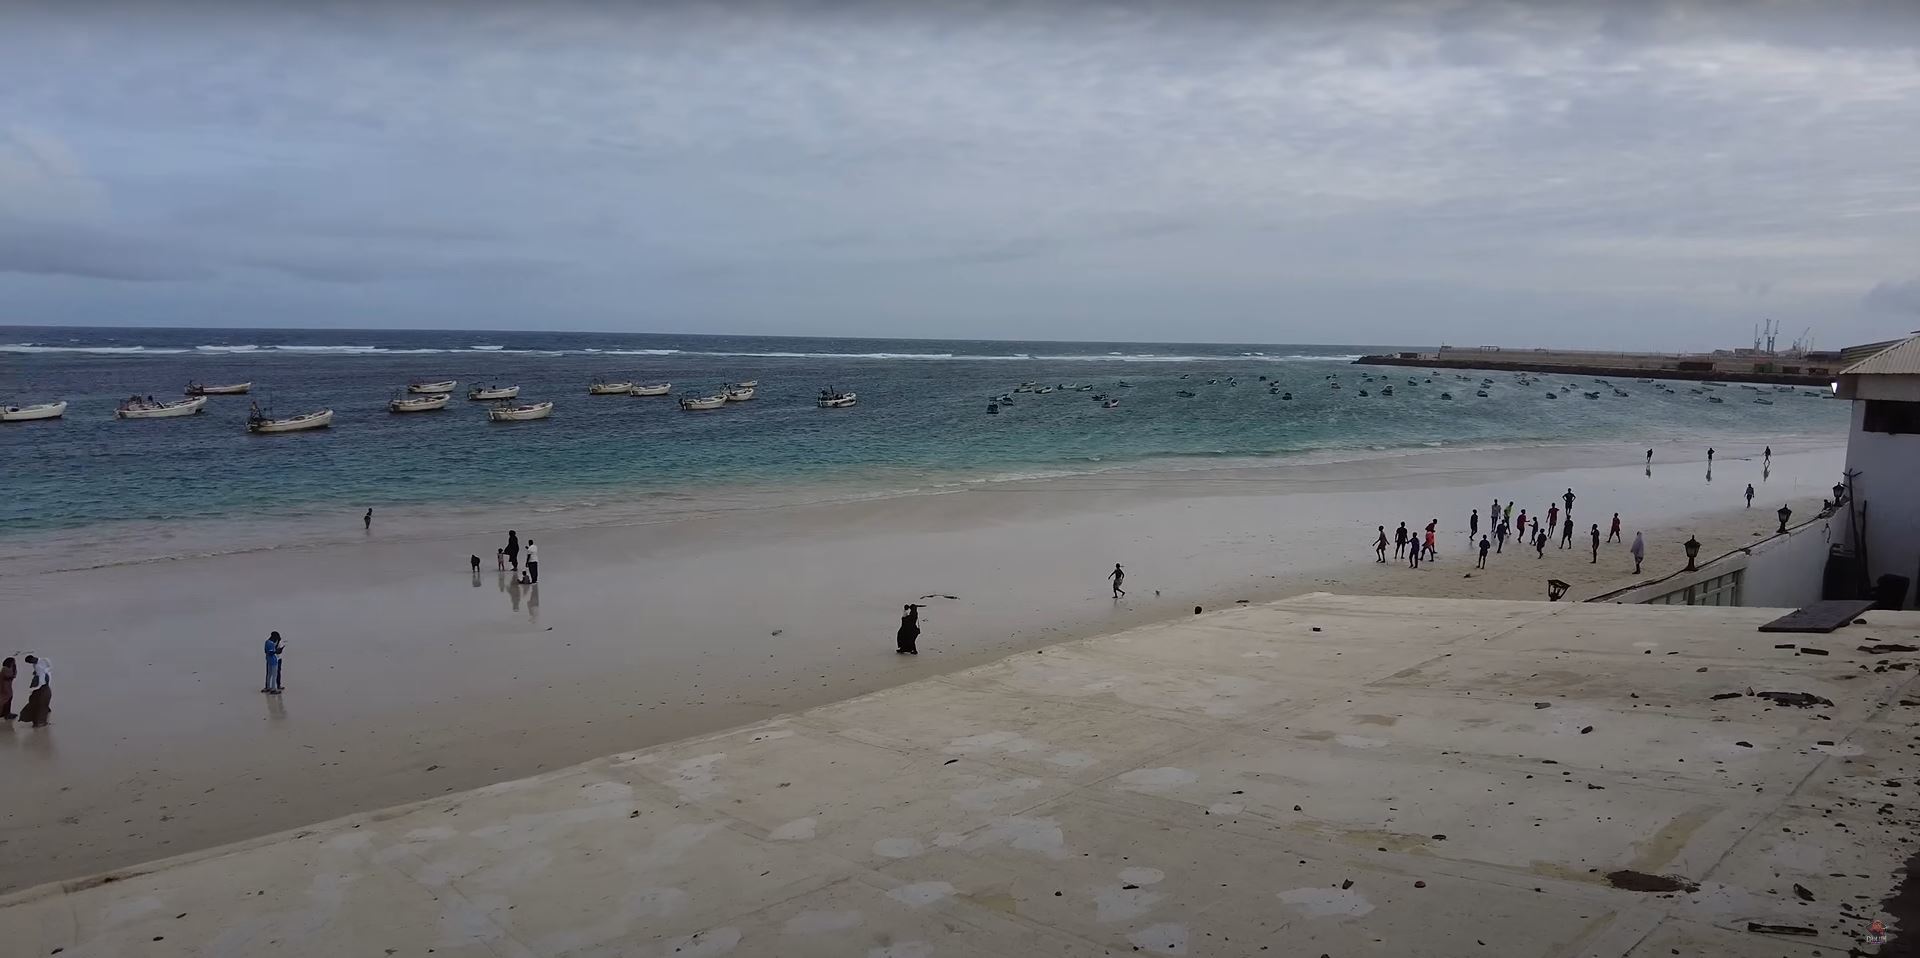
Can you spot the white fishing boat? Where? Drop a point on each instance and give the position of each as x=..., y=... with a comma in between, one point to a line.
x=530, y=411
x=1109, y=404
x=480, y=393
x=609, y=389
x=197, y=388
x=835, y=399
x=431, y=389
x=748, y=383
x=739, y=394
x=45, y=410
x=143, y=409
x=657, y=389
x=257, y=422
x=419, y=403
x=708, y=402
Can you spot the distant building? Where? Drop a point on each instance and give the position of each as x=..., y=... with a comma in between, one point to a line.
x=1883, y=461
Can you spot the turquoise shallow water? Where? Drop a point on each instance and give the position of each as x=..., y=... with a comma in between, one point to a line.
x=921, y=417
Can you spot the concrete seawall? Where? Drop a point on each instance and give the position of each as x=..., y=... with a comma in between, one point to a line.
x=1493, y=361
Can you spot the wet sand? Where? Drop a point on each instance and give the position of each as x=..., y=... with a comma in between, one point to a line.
x=408, y=677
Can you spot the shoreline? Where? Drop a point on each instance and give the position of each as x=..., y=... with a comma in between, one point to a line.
x=409, y=678
x=105, y=544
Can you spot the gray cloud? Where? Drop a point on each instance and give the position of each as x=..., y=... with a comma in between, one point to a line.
x=1890, y=297
x=1669, y=168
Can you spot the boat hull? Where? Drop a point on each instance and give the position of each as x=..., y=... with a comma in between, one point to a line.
x=316, y=420
x=739, y=395
x=504, y=392
x=234, y=389
x=46, y=410
x=521, y=413
x=609, y=389
x=169, y=410
x=660, y=389
x=700, y=405
x=422, y=404
x=431, y=389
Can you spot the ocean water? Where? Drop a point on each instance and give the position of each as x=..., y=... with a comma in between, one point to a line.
x=921, y=421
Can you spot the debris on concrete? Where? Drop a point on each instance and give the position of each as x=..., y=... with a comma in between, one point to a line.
x=1799, y=700
x=1629, y=880
x=1889, y=647
x=1726, y=695
x=1766, y=928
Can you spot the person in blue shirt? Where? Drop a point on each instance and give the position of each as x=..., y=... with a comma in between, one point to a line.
x=275, y=648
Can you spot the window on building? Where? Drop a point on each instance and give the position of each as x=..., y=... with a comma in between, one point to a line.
x=1889, y=416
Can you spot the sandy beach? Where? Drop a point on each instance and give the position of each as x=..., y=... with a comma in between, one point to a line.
x=408, y=677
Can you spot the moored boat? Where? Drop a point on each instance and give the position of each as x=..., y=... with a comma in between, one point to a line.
x=835, y=399
x=704, y=403
x=419, y=403
x=1109, y=404
x=521, y=413
x=420, y=388
x=747, y=383
x=609, y=389
x=656, y=389
x=479, y=393
x=137, y=408
x=45, y=410
x=258, y=422
x=739, y=394
x=197, y=388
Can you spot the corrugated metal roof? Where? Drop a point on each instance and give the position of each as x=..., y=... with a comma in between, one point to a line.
x=1900, y=360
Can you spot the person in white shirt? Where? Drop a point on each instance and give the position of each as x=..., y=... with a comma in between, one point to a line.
x=533, y=563
x=40, y=697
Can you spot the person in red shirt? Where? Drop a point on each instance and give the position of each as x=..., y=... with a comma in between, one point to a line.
x=1613, y=534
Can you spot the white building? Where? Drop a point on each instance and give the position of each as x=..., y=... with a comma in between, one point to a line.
x=1883, y=463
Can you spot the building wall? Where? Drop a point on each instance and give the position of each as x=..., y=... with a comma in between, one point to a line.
x=1786, y=572
x=1888, y=485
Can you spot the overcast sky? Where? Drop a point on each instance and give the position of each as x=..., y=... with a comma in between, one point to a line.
x=1657, y=175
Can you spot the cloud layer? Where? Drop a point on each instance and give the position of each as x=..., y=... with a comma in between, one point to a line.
x=1653, y=174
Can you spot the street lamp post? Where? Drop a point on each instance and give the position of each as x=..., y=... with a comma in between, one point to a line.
x=1692, y=546
x=1785, y=514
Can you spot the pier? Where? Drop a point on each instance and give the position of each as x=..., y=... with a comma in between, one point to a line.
x=1739, y=365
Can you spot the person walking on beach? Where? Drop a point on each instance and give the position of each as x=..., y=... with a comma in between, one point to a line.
x=275, y=648
x=1749, y=495
x=1485, y=546
x=39, y=710
x=1613, y=534
x=1553, y=517
x=1568, y=499
x=1709, y=457
x=1379, y=548
x=908, y=638
x=7, y=671
x=512, y=551
x=1596, y=543
x=1508, y=515
x=1400, y=541
x=1521, y=529
x=1566, y=533
x=1432, y=553
x=1539, y=543
x=533, y=563
x=1766, y=458
x=366, y=521
x=1119, y=575
x=1493, y=515
x=1473, y=524
x=1639, y=551
x=1413, y=553
x=1649, y=457
x=1500, y=534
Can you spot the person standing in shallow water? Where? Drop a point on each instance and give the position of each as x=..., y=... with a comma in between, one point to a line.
x=1766, y=458
x=1119, y=575
x=1709, y=457
x=908, y=638
x=1749, y=495
x=1596, y=543
x=366, y=521
x=1380, y=546
x=512, y=551
x=1649, y=457
x=1639, y=550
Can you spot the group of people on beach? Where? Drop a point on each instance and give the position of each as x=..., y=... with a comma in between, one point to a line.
x=39, y=708
x=508, y=557
x=1502, y=525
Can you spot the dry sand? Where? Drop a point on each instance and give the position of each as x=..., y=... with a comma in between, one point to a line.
x=407, y=677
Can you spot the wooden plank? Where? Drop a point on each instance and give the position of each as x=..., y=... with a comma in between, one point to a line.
x=1823, y=616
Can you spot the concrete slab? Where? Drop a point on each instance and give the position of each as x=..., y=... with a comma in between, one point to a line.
x=1234, y=784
